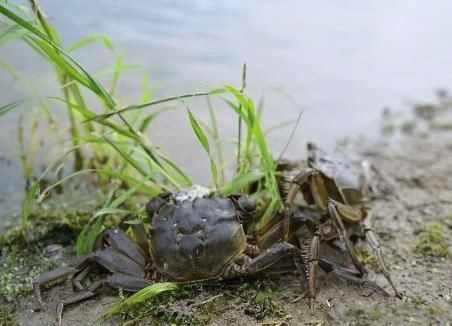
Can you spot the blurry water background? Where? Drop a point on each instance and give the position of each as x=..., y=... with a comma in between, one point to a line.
x=342, y=61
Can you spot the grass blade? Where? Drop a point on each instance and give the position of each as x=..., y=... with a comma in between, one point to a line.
x=267, y=216
x=90, y=114
x=205, y=144
x=124, y=196
x=140, y=296
x=168, y=99
x=239, y=136
x=241, y=181
x=91, y=236
x=8, y=107
x=110, y=210
x=35, y=186
x=216, y=139
x=152, y=189
x=87, y=238
x=129, y=159
x=91, y=39
x=12, y=33
x=88, y=80
x=146, y=121
x=27, y=202
x=80, y=242
x=291, y=136
x=44, y=193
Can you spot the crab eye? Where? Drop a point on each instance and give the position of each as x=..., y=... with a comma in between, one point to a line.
x=153, y=206
x=246, y=208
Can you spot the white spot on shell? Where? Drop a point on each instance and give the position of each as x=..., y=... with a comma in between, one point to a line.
x=191, y=193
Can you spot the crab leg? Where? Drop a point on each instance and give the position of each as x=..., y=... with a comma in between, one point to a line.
x=339, y=225
x=139, y=234
x=298, y=181
x=118, y=240
x=330, y=267
x=375, y=245
x=110, y=259
x=263, y=261
x=80, y=276
x=348, y=274
x=311, y=272
x=269, y=257
x=50, y=277
x=116, y=280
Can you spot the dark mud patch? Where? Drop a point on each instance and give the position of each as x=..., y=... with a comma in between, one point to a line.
x=413, y=189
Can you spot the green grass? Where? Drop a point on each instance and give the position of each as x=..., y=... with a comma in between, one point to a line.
x=116, y=136
x=140, y=296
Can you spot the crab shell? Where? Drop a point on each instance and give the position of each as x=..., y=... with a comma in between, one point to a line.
x=196, y=239
x=343, y=182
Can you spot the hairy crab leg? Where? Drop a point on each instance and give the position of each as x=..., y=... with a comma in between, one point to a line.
x=313, y=260
x=311, y=272
x=301, y=178
x=371, y=238
x=337, y=221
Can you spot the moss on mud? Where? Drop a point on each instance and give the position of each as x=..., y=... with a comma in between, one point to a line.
x=366, y=257
x=27, y=252
x=200, y=304
x=7, y=318
x=431, y=242
x=363, y=317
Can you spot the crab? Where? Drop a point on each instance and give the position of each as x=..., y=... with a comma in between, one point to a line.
x=194, y=236
x=339, y=192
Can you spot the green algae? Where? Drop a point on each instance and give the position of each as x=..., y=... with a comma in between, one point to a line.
x=431, y=241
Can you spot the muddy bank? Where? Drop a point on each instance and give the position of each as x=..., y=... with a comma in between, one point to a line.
x=412, y=208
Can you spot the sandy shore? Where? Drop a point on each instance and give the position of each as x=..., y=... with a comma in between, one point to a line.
x=413, y=184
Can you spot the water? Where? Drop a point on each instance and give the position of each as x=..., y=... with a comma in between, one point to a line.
x=341, y=61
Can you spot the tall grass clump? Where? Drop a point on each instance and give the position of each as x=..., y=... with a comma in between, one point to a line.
x=119, y=148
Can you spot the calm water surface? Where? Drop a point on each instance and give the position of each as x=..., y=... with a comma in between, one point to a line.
x=342, y=61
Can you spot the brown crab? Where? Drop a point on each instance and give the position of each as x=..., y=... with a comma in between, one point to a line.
x=336, y=190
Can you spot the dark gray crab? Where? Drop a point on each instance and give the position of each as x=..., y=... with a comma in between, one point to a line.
x=339, y=192
x=194, y=236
